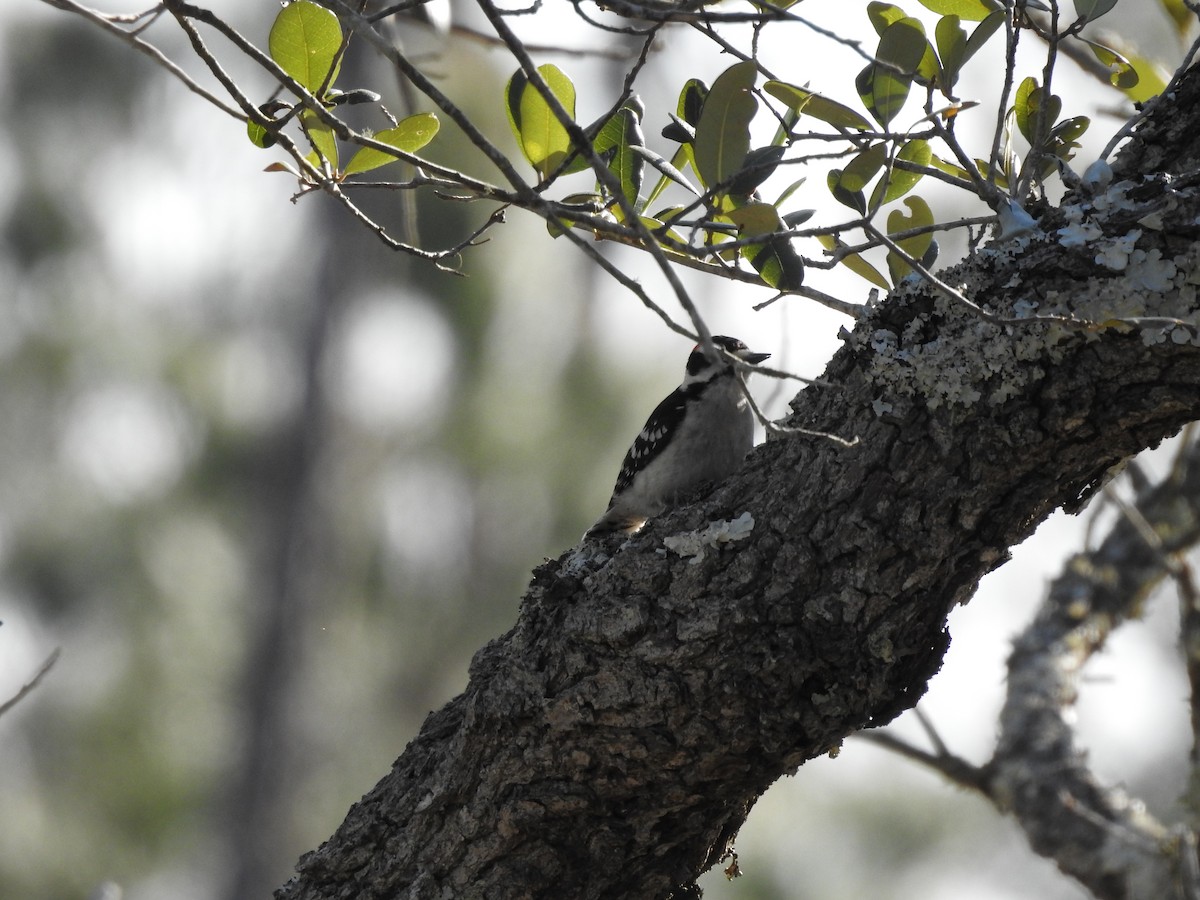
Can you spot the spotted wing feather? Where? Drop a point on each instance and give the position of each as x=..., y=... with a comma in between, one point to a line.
x=653, y=438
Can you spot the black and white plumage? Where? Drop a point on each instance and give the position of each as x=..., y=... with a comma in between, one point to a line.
x=698, y=435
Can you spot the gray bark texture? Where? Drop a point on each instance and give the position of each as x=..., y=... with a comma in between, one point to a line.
x=611, y=744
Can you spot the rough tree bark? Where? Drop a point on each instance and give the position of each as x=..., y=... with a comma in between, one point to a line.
x=611, y=744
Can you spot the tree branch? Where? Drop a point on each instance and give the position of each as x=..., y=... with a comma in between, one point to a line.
x=1095, y=833
x=611, y=744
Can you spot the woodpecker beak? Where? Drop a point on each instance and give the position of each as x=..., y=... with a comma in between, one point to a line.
x=754, y=358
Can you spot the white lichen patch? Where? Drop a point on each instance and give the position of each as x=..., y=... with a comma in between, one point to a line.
x=945, y=354
x=1114, y=253
x=694, y=543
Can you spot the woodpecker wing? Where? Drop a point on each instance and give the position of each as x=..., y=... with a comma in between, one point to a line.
x=654, y=437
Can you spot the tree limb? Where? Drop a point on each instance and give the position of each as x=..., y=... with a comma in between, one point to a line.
x=611, y=744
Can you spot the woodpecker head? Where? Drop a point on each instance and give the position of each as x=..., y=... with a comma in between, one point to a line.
x=701, y=368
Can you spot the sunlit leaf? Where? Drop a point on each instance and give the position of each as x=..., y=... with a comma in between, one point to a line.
x=863, y=167
x=916, y=245
x=810, y=103
x=968, y=10
x=950, y=169
x=775, y=260
x=901, y=181
x=855, y=263
x=723, y=131
x=410, y=135
x=847, y=184
x=543, y=138
x=1123, y=74
x=670, y=172
x=259, y=136
x=883, y=15
x=322, y=139
x=691, y=101
x=304, y=41
x=1150, y=79
x=1035, y=112
x=788, y=191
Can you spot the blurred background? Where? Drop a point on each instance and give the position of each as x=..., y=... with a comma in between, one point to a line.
x=267, y=485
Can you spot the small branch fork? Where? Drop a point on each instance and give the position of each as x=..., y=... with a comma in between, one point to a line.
x=1096, y=834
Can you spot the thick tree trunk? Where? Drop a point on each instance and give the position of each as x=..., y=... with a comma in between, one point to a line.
x=611, y=744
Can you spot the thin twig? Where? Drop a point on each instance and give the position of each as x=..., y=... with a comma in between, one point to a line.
x=110, y=24
x=30, y=685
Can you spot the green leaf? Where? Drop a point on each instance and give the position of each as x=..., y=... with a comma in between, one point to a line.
x=1136, y=76
x=760, y=165
x=950, y=169
x=723, y=131
x=855, y=263
x=410, y=135
x=304, y=41
x=691, y=101
x=810, y=103
x=883, y=15
x=901, y=181
x=259, y=136
x=543, y=138
x=590, y=203
x=1008, y=155
x=322, y=139
x=967, y=10
x=789, y=190
x=952, y=50
x=775, y=260
x=1034, y=110
x=915, y=246
x=863, y=167
x=614, y=143
x=1150, y=80
x=847, y=184
x=1091, y=10
x=884, y=85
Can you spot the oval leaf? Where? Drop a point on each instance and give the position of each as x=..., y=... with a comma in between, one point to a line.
x=304, y=41
x=810, y=103
x=901, y=181
x=723, y=131
x=884, y=88
x=915, y=246
x=321, y=137
x=854, y=262
x=863, y=167
x=967, y=10
x=952, y=50
x=543, y=138
x=615, y=144
x=883, y=15
x=410, y=136
x=775, y=260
